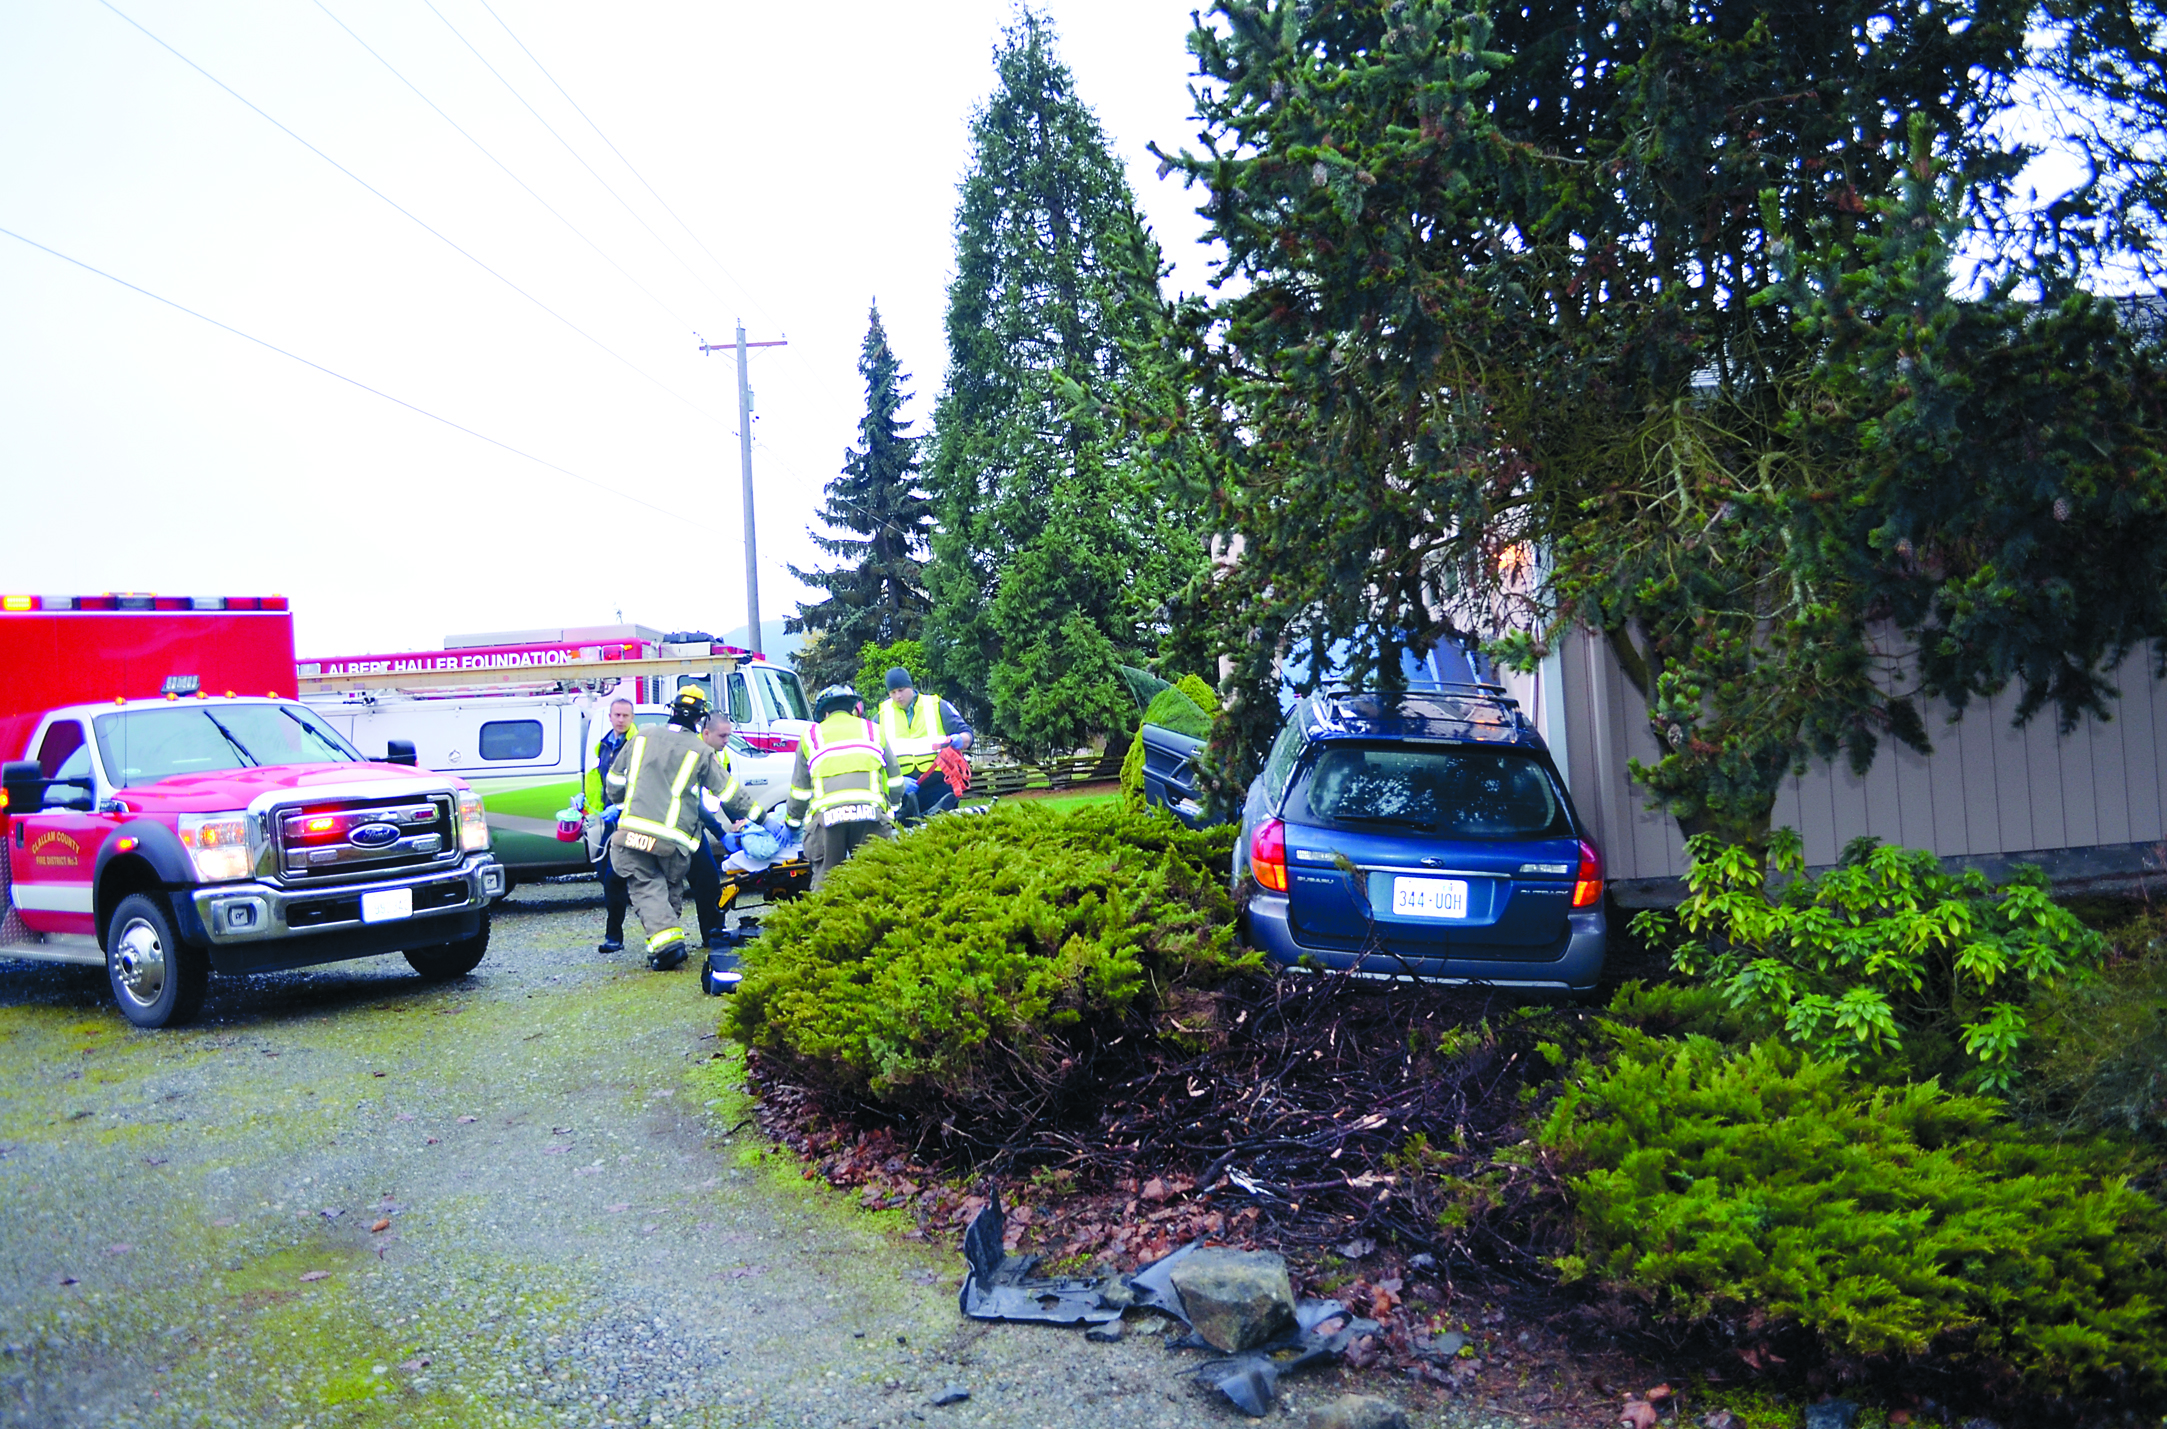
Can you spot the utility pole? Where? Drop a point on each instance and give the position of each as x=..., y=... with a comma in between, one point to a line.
x=744, y=459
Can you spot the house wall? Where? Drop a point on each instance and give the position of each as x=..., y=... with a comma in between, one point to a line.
x=2090, y=807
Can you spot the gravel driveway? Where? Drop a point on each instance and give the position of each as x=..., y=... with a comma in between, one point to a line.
x=347, y=1197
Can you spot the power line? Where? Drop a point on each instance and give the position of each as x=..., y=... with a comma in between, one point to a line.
x=492, y=158
x=658, y=198
x=409, y=214
x=572, y=151
x=355, y=382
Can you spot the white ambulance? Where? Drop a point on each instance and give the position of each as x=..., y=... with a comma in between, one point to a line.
x=518, y=714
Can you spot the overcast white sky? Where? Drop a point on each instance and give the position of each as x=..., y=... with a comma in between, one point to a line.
x=813, y=153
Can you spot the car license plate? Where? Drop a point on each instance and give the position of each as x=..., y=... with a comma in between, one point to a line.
x=387, y=904
x=1429, y=898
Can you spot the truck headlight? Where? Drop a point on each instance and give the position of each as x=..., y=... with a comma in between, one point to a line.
x=217, y=844
x=473, y=823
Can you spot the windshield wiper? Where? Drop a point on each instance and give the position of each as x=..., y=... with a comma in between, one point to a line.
x=247, y=760
x=316, y=736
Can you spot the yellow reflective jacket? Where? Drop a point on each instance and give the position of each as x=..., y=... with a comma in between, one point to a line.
x=845, y=771
x=914, y=735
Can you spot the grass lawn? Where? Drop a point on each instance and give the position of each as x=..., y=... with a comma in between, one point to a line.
x=1069, y=800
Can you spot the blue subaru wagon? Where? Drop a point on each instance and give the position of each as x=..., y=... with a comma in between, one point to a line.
x=1424, y=833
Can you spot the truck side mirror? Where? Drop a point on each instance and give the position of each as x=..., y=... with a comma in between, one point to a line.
x=399, y=751
x=25, y=784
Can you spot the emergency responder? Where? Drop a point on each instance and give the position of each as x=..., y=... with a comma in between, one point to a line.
x=917, y=729
x=615, y=899
x=844, y=784
x=663, y=777
x=703, y=880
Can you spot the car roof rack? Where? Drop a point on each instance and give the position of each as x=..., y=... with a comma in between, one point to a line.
x=1473, y=693
x=1476, y=688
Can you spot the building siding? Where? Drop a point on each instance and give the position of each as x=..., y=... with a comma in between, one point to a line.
x=1987, y=793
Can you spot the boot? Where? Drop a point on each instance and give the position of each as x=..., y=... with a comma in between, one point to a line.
x=668, y=956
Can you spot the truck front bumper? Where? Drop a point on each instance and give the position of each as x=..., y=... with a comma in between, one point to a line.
x=260, y=926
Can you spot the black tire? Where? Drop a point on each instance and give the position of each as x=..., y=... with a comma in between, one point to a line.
x=158, y=980
x=450, y=960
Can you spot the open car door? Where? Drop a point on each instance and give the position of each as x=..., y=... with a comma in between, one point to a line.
x=1170, y=773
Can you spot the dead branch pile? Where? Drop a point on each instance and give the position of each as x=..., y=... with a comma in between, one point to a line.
x=1300, y=1112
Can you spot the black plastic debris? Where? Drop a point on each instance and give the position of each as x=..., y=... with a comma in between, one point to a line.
x=1250, y=1380
x=1001, y=1286
x=953, y=1394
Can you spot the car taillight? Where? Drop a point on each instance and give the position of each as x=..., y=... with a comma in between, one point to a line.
x=1268, y=855
x=1588, y=887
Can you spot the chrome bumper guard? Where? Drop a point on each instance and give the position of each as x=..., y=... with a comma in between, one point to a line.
x=233, y=913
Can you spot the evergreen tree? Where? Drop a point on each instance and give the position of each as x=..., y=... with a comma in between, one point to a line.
x=1053, y=554
x=879, y=596
x=1663, y=296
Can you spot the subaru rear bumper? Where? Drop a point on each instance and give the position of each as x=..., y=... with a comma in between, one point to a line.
x=1577, y=968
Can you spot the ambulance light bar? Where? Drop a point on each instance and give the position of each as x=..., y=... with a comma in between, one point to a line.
x=131, y=601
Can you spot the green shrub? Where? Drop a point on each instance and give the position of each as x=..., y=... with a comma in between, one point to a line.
x=1132, y=774
x=2101, y=1060
x=1676, y=1009
x=1883, y=946
x=875, y=661
x=1889, y=1221
x=1174, y=709
x=1201, y=694
x=931, y=966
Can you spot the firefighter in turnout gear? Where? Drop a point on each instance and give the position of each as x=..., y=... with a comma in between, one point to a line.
x=663, y=777
x=844, y=784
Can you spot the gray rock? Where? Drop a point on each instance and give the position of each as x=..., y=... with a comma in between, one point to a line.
x=1444, y=1347
x=1236, y=1299
x=1358, y=1411
x=1106, y=1334
x=1831, y=1414
x=953, y=1394
x=1116, y=1296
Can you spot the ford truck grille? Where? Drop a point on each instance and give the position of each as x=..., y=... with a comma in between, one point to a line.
x=355, y=838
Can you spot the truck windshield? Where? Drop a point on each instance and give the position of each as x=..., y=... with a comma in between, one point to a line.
x=144, y=746
x=784, y=695
x=1457, y=793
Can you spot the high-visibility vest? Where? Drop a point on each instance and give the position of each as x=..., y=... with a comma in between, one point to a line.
x=913, y=735
x=841, y=763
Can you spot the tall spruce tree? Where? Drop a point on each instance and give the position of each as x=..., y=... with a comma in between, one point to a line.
x=1666, y=295
x=879, y=595
x=1053, y=554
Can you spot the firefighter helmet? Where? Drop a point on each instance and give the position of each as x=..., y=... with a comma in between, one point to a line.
x=689, y=708
x=833, y=698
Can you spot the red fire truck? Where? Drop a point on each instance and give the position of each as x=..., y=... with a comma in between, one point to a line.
x=170, y=809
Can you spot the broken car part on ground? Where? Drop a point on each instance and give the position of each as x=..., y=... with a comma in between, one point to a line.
x=1001, y=1286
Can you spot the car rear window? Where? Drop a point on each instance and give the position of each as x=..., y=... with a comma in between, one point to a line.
x=1446, y=792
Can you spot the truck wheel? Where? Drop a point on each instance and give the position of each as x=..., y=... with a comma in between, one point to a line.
x=450, y=960
x=158, y=980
